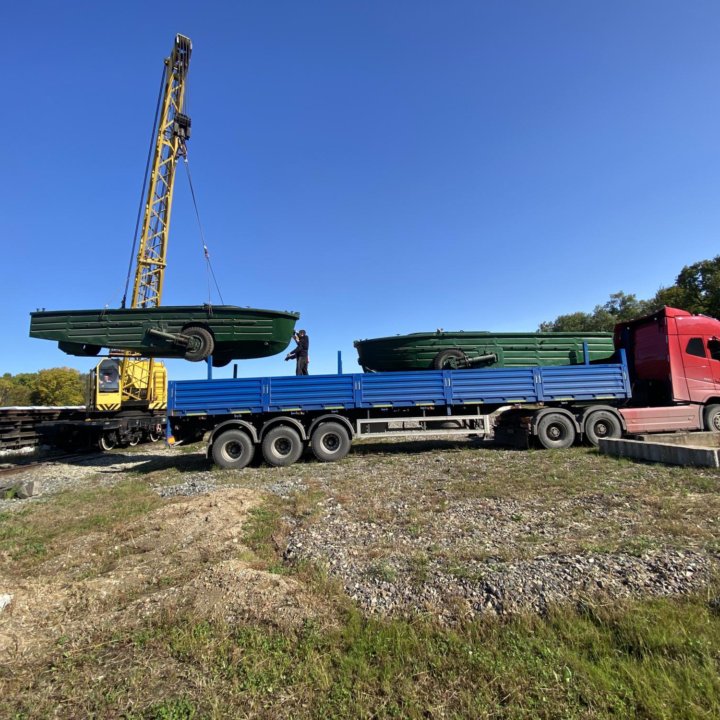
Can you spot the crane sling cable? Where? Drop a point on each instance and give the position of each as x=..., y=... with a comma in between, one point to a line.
x=206, y=252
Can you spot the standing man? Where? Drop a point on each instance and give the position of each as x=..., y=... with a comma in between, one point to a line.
x=300, y=353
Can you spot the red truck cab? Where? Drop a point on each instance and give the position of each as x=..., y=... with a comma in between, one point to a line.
x=674, y=364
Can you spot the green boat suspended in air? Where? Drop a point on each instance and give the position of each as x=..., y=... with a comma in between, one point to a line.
x=192, y=332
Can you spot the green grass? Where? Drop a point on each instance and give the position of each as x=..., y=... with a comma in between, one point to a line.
x=37, y=532
x=657, y=659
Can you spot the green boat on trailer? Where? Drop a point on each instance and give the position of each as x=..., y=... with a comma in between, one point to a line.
x=476, y=349
x=193, y=332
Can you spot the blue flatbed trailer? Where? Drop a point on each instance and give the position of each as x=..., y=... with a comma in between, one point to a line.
x=283, y=415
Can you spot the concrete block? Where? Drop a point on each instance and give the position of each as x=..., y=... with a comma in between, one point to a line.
x=697, y=439
x=668, y=453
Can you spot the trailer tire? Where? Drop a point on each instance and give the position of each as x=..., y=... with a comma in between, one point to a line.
x=602, y=424
x=282, y=446
x=555, y=431
x=450, y=360
x=330, y=442
x=200, y=345
x=233, y=450
x=711, y=418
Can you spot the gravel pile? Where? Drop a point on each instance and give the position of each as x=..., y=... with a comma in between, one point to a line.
x=398, y=586
x=191, y=486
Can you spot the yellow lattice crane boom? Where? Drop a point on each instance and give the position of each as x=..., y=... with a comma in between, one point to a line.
x=172, y=133
x=141, y=382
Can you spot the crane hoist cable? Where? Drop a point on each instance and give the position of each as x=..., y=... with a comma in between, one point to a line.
x=206, y=252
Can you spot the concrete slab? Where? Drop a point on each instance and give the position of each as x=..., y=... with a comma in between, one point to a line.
x=668, y=453
x=697, y=439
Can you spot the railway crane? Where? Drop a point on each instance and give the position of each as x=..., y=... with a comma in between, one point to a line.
x=128, y=393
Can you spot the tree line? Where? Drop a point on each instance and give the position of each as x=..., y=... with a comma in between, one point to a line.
x=696, y=289
x=55, y=386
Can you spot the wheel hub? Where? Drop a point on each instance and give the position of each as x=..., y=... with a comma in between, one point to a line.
x=282, y=446
x=234, y=450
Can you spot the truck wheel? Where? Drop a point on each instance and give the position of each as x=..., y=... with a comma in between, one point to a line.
x=107, y=441
x=200, y=345
x=711, y=418
x=450, y=360
x=330, y=442
x=233, y=450
x=282, y=446
x=555, y=431
x=602, y=424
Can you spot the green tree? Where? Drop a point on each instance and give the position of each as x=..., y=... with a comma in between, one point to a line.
x=696, y=289
x=13, y=392
x=57, y=386
x=621, y=306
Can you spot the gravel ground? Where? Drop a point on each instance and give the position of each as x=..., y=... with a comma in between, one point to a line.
x=417, y=574
x=455, y=530
x=56, y=477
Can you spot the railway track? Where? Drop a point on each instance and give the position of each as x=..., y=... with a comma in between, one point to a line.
x=12, y=469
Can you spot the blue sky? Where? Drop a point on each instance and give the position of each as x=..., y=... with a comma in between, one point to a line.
x=381, y=167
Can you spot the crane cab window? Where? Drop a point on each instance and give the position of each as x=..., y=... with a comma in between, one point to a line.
x=696, y=346
x=109, y=376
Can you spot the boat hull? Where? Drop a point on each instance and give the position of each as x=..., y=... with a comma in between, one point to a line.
x=237, y=333
x=423, y=351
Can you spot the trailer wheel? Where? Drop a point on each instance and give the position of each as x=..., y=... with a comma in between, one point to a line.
x=711, y=418
x=330, y=442
x=282, y=446
x=233, y=450
x=602, y=424
x=450, y=360
x=555, y=431
x=107, y=441
x=200, y=345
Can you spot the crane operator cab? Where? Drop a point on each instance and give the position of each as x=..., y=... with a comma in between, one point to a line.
x=108, y=376
x=105, y=388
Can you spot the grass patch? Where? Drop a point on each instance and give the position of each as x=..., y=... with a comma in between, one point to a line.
x=657, y=659
x=37, y=532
